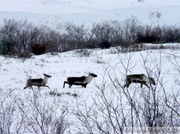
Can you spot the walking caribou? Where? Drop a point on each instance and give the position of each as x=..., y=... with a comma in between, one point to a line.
x=139, y=78
x=83, y=80
x=38, y=82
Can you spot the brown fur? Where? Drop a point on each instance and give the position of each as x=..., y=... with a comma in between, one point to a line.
x=37, y=82
x=138, y=78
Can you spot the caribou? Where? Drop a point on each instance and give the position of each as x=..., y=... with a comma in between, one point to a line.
x=82, y=81
x=38, y=82
x=139, y=78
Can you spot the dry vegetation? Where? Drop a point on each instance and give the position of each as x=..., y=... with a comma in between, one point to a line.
x=122, y=111
x=18, y=37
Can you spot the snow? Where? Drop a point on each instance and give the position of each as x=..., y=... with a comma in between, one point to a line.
x=15, y=72
x=87, y=12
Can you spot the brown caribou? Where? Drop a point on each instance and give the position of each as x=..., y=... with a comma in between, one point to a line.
x=38, y=82
x=139, y=78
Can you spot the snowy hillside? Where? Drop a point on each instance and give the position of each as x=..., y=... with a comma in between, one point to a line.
x=87, y=12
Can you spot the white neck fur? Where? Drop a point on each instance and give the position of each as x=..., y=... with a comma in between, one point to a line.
x=88, y=79
x=45, y=79
x=146, y=79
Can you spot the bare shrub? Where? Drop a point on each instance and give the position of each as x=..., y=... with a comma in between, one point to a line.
x=22, y=35
x=6, y=47
x=149, y=34
x=44, y=117
x=105, y=44
x=131, y=27
x=75, y=36
x=170, y=34
x=7, y=113
x=103, y=32
x=84, y=52
x=116, y=109
x=53, y=93
x=30, y=114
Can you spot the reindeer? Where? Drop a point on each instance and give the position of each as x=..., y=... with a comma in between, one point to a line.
x=83, y=80
x=139, y=78
x=38, y=82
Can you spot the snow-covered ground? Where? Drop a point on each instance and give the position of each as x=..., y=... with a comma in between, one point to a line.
x=15, y=72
